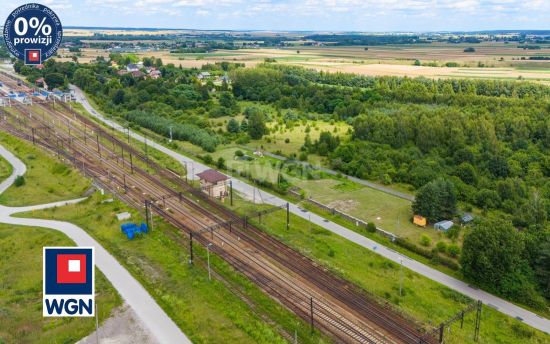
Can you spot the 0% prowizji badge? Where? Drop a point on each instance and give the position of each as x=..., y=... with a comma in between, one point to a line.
x=33, y=33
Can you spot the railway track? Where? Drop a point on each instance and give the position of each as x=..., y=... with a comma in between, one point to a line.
x=337, y=307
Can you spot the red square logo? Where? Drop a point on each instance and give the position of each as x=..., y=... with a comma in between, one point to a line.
x=71, y=268
x=33, y=55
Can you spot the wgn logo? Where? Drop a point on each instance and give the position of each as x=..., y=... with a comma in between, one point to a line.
x=68, y=282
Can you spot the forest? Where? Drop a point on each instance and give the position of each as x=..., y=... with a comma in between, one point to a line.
x=477, y=145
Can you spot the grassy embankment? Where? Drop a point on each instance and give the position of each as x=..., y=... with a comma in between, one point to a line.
x=46, y=180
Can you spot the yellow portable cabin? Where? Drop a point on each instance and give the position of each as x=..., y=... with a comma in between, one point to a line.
x=420, y=220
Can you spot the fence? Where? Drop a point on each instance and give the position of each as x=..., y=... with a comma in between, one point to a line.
x=353, y=219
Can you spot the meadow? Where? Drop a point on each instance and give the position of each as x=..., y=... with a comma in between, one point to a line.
x=46, y=180
x=21, y=300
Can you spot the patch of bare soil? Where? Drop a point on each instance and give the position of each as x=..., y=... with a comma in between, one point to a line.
x=345, y=205
x=122, y=327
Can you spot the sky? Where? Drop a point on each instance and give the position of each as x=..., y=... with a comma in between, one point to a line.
x=302, y=15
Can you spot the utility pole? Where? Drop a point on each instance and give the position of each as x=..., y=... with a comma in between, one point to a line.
x=208, y=258
x=146, y=150
x=478, y=321
x=287, y=215
x=401, y=279
x=231, y=191
x=190, y=248
x=147, y=212
x=98, y=144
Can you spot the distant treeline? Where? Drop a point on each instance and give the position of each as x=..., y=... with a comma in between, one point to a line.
x=367, y=39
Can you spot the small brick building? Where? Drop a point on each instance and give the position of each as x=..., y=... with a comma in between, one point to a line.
x=213, y=183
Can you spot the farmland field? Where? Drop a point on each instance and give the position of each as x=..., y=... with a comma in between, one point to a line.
x=490, y=60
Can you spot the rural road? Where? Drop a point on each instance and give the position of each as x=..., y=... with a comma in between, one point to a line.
x=249, y=191
x=161, y=327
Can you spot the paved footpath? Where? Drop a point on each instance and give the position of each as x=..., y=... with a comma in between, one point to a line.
x=251, y=192
x=146, y=308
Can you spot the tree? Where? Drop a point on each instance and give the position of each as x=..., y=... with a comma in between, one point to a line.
x=118, y=97
x=542, y=267
x=256, y=123
x=436, y=200
x=55, y=80
x=467, y=173
x=492, y=257
x=327, y=143
x=233, y=126
x=227, y=100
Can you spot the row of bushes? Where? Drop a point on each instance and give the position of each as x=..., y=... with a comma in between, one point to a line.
x=433, y=255
x=180, y=131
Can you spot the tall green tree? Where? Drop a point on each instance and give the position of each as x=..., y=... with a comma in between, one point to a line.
x=256, y=123
x=493, y=258
x=233, y=126
x=436, y=200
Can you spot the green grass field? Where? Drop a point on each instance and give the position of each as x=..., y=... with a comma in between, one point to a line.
x=389, y=212
x=21, y=318
x=46, y=180
x=5, y=169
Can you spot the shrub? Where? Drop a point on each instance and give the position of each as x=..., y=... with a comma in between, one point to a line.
x=425, y=240
x=287, y=140
x=220, y=163
x=303, y=156
x=19, y=181
x=441, y=246
x=371, y=227
x=239, y=153
x=453, y=250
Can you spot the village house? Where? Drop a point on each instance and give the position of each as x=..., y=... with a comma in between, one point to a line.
x=132, y=67
x=138, y=74
x=203, y=75
x=155, y=74
x=213, y=183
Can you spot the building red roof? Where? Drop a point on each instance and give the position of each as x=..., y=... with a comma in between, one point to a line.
x=212, y=176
